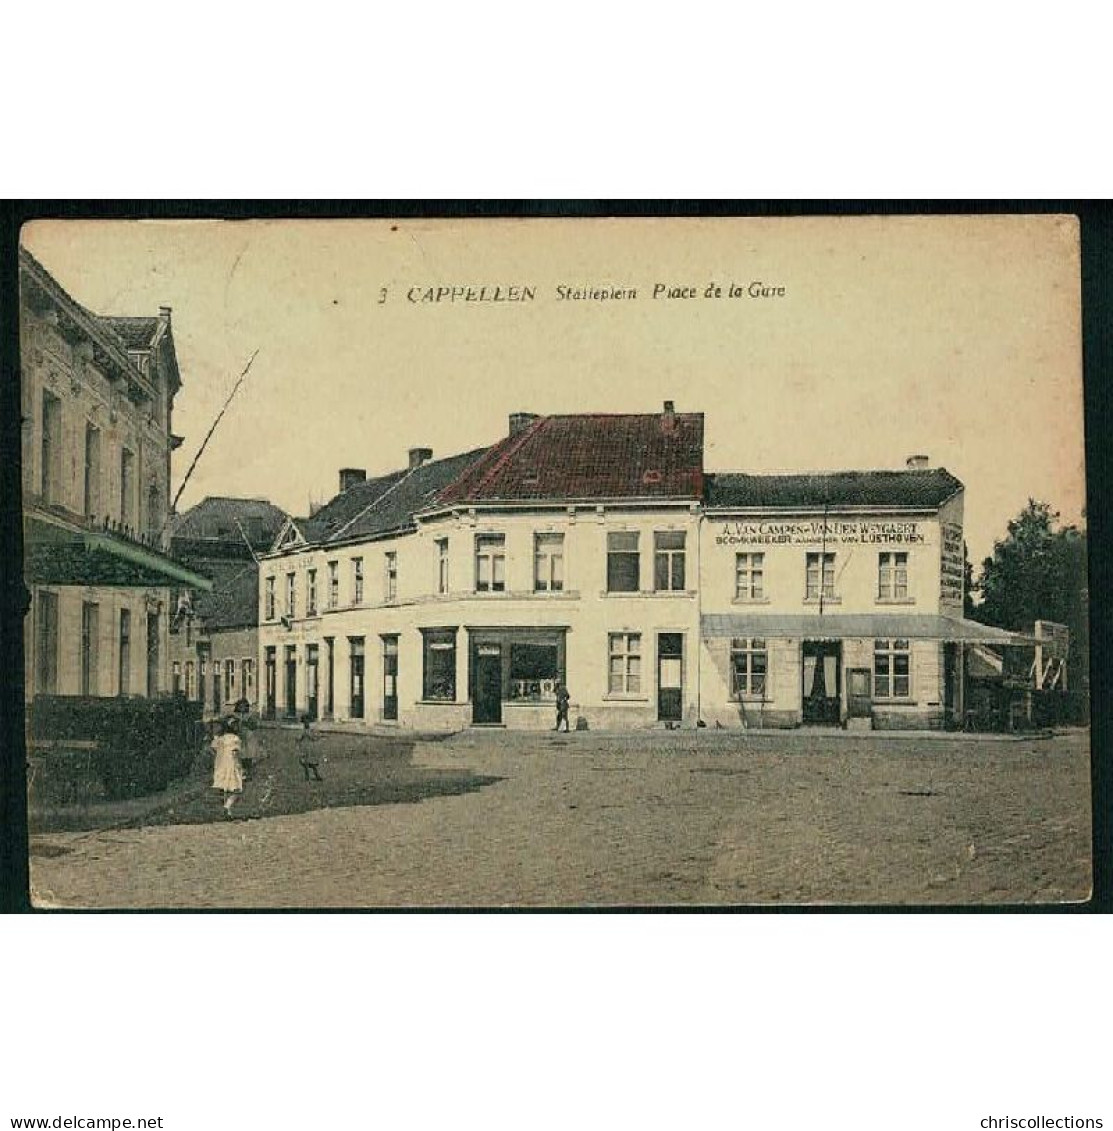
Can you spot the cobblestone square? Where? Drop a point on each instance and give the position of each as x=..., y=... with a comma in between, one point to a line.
x=681, y=818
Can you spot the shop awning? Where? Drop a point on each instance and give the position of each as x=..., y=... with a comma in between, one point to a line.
x=841, y=626
x=58, y=550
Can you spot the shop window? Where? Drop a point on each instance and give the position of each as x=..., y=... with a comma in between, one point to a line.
x=390, y=575
x=891, y=669
x=310, y=592
x=819, y=576
x=291, y=594
x=548, y=563
x=440, y=664
x=749, y=577
x=90, y=631
x=442, y=565
x=490, y=563
x=268, y=599
x=892, y=576
x=625, y=663
x=668, y=560
x=534, y=672
x=357, y=581
x=333, y=584
x=749, y=667
x=622, y=561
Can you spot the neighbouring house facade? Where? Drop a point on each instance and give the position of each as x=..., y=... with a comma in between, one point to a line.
x=593, y=550
x=214, y=636
x=97, y=400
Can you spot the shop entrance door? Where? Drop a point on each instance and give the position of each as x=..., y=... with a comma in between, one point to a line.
x=487, y=707
x=311, y=680
x=390, y=678
x=670, y=677
x=822, y=681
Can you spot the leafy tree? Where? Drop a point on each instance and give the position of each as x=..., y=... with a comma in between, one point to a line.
x=1038, y=572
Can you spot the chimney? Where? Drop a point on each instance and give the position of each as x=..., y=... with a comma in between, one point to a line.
x=418, y=456
x=519, y=421
x=668, y=417
x=350, y=476
x=164, y=314
x=914, y=463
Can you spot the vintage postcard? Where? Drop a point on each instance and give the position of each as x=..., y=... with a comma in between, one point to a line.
x=555, y=563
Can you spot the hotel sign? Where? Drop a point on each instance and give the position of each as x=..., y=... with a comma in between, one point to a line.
x=952, y=564
x=813, y=533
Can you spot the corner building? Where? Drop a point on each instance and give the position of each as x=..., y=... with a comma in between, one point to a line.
x=593, y=550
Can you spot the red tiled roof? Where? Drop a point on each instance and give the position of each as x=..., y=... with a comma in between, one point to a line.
x=589, y=457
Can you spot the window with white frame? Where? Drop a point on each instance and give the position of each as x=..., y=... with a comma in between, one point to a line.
x=749, y=667
x=819, y=576
x=291, y=594
x=390, y=575
x=892, y=669
x=548, y=563
x=490, y=563
x=310, y=592
x=357, y=581
x=623, y=561
x=892, y=576
x=229, y=680
x=442, y=565
x=268, y=599
x=247, y=671
x=333, y=584
x=668, y=560
x=625, y=666
x=749, y=577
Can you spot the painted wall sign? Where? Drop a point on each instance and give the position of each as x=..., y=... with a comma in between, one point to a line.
x=951, y=564
x=810, y=533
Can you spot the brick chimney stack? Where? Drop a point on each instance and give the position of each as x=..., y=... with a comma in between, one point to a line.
x=668, y=417
x=520, y=421
x=418, y=456
x=915, y=463
x=350, y=476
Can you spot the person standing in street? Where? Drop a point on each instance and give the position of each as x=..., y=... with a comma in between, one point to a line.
x=308, y=758
x=562, y=698
x=227, y=770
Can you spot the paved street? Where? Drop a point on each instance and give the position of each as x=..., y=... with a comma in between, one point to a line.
x=661, y=818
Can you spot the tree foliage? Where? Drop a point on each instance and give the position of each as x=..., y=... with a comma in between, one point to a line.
x=1037, y=572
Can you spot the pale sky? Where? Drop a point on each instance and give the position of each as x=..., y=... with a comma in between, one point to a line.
x=951, y=336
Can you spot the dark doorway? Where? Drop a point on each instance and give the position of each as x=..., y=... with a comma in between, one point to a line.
x=822, y=680
x=390, y=678
x=291, y=681
x=670, y=677
x=271, y=676
x=488, y=684
x=355, y=686
x=950, y=681
x=311, y=680
x=330, y=690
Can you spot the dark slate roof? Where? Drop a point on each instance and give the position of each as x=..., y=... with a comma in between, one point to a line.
x=589, y=457
x=918, y=487
x=135, y=333
x=234, y=600
x=342, y=508
x=216, y=517
x=401, y=496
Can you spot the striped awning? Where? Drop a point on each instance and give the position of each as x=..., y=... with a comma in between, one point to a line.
x=841, y=626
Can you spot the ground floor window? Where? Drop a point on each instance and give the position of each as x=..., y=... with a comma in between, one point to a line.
x=749, y=666
x=534, y=671
x=625, y=663
x=356, y=662
x=440, y=664
x=90, y=631
x=176, y=677
x=891, y=669
x=191, y=680
x=229, y=681
x=247, y=671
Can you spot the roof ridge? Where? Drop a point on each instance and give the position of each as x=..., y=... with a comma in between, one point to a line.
x=374, y=502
